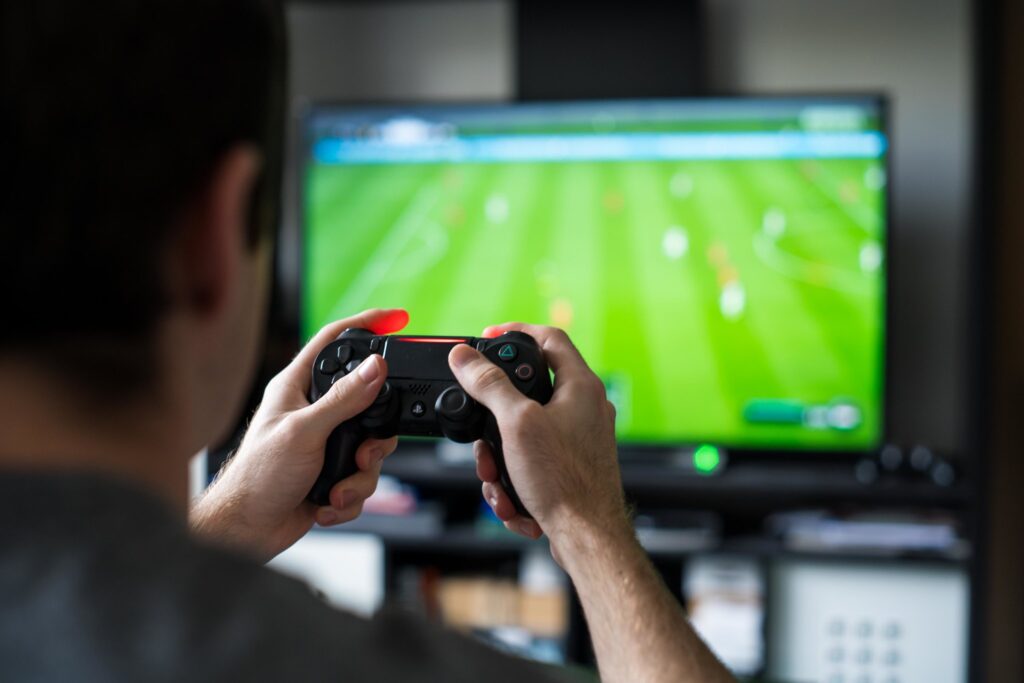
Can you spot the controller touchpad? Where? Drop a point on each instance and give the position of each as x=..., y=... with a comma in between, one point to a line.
x=421, y=358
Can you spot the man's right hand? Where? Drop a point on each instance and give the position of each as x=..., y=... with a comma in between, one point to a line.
x=562, y=456
x=562, y=459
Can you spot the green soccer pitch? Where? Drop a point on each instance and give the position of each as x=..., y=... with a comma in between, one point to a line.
x=738, y=302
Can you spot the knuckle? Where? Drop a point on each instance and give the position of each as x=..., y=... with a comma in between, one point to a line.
x=326, y=328
x=340, y=394
x=560, y=335
x=333, y=400
x=588, y=386
x=514, y=423
x=488, y=376
x=367, y=484
x=281, y=385
x=526, y=416
x=554, y=338
x=274, y=385
x=532, y=410
x=289, y=430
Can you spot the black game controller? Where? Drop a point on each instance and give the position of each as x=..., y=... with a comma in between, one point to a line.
x=420, y=396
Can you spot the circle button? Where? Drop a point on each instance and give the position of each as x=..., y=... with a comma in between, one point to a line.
x=524, y=372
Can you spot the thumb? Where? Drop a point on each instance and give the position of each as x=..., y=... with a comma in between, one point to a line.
x=348, y=396
x=483, y=380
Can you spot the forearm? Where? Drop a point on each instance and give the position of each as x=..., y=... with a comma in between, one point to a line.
x=214, y=516
x=637, y=627
x=219, y=516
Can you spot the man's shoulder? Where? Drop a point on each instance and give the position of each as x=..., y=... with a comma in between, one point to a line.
x=113, y=589
x=103, y=584
x=247, y=622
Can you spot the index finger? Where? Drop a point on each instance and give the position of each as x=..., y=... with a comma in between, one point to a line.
x=377, y=320
x=561, y=354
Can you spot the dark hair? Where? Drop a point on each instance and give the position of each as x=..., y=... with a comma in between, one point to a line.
x=113, y=117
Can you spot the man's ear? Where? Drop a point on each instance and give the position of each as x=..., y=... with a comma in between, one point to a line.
x=214, y=235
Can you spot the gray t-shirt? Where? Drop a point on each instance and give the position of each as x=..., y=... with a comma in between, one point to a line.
x=102, y=582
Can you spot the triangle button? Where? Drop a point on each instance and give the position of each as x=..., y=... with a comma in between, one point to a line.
x=507, y=353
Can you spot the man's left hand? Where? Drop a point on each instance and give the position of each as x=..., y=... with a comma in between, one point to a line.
x=258, y=503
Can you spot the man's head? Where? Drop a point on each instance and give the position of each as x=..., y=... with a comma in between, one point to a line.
x=143, y=149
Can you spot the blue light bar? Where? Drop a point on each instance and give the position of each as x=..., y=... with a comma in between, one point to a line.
x=608, y=147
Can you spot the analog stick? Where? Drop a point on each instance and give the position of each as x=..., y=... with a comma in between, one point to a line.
x=453, y=404
x=380, y=404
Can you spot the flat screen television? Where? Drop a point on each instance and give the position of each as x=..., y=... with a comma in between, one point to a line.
x=720, y=263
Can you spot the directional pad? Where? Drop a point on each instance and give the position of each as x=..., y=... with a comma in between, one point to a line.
x=344, y=353
x=329, y=366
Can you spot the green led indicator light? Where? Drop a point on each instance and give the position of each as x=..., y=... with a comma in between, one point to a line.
x=706, y=459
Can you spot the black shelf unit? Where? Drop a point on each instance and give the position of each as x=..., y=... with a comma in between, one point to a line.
x=742, y=496
x=468, y=542
x=741, y=483
x=460, y=548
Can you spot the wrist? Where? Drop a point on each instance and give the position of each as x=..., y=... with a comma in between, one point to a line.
x=217, y=516
x=577, y=538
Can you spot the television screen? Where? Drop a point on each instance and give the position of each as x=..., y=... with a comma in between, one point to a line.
x=720, y=263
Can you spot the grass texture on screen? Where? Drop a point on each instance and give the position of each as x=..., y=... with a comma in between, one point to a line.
x=708, y=294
